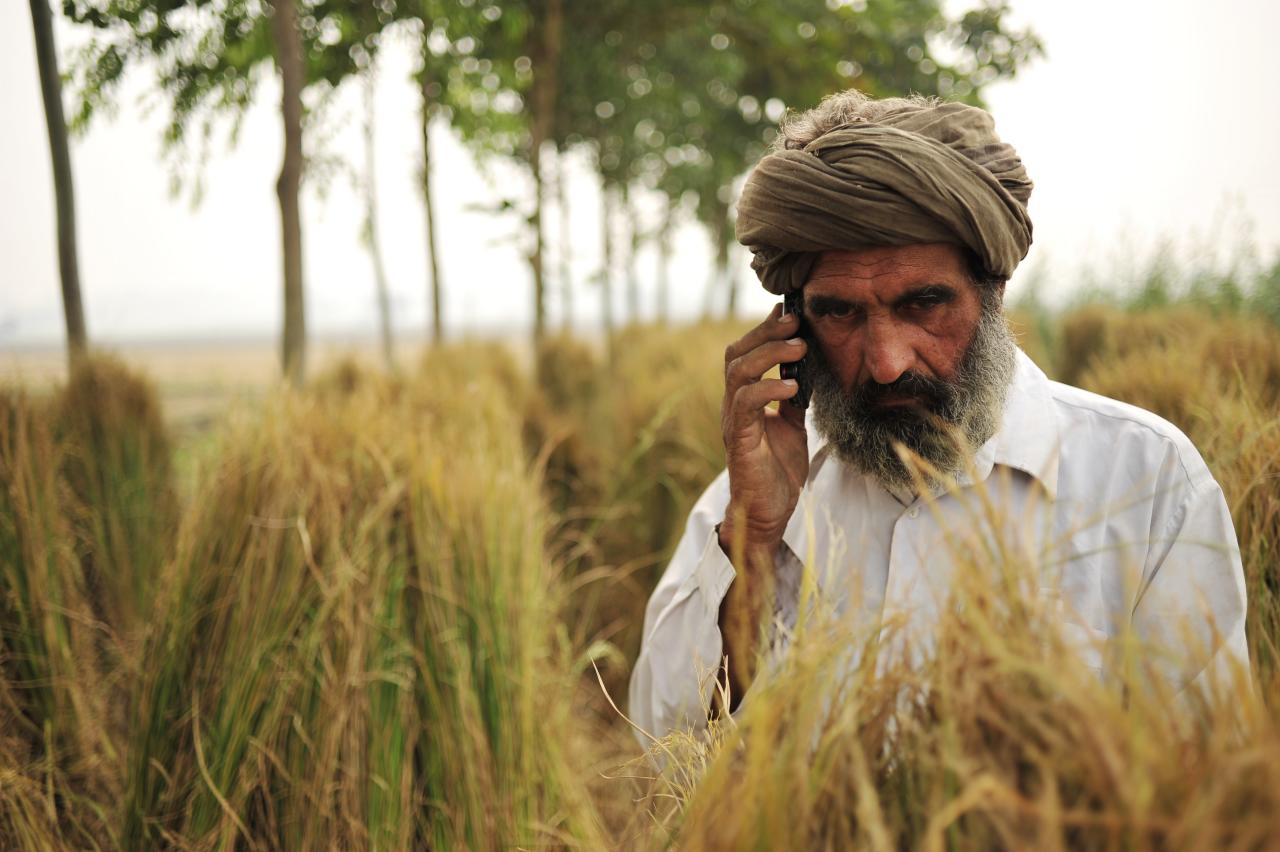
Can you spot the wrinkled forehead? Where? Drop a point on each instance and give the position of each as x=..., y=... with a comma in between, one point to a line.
x=890, y=265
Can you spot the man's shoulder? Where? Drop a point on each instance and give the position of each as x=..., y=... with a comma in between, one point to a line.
x=1112, y=414
x=1097, y=428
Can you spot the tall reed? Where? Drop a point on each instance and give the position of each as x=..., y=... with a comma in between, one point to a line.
x=641, y=441
x=117, y=465
x=990, y=735
x=358, y=643
x=57, y=753
x=1220, y=383
x=369, y=626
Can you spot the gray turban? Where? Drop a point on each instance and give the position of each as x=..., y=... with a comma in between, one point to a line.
x=919, y=174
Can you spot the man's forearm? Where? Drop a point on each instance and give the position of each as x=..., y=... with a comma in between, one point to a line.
x=744, y=609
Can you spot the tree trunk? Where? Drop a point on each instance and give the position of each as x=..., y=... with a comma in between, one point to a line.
x=726, y=270
x=629, y=218
x=716, y=227
x=663, y=307
x=606, y=265
x=544, y=105
x=371, y=225
x=433, y=263
x=288, y=44
x=566, y=280
x=64, y=192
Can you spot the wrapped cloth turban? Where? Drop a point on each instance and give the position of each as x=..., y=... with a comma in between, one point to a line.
x=921, y=173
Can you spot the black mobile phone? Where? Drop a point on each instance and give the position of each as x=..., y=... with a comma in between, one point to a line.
x=793, y=303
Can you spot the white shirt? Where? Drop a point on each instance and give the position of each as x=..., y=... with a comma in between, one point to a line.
x=1115, y=502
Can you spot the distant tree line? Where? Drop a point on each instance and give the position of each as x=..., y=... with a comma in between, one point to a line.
x=667, y=96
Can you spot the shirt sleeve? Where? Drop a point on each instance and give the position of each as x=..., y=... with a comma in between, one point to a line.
x=1191, y=610
x=681, y=649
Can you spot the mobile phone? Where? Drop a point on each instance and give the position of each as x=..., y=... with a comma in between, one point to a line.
x=793, y=303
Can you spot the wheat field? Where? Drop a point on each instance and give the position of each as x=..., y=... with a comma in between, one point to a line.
x=397, y=610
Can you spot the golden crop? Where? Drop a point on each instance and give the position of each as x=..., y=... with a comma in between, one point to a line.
x=366, y=615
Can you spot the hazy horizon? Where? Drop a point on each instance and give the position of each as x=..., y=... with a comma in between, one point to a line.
x=1156, y=127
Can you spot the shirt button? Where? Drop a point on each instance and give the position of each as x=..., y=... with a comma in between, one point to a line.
x=914, y=513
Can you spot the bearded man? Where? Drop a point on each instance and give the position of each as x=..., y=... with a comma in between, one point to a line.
x=898, y=223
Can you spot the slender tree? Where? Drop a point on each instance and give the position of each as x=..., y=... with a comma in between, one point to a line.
x=545, y=69
x=662, y=257
x=607, y=198
x=510, y=106
x=434, y=284
x=565, y=257
x=438, y=53
x=719, y=227
x=64, y=191
x=369, y=230
x=631, y=222
x=465, y=45
x=206, y=56
x=288, y=51
x=352, y=50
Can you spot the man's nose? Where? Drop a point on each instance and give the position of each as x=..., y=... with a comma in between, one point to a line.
x=888, y=352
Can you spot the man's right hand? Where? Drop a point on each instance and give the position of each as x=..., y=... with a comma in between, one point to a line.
x=766, y=451
x=768, y=461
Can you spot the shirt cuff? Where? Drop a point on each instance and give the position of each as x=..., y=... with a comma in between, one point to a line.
x=713, y=573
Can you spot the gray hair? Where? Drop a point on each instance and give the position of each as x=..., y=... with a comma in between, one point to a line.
x=798, y=129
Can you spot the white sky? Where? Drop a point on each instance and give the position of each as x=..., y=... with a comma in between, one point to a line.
x=1147, y=121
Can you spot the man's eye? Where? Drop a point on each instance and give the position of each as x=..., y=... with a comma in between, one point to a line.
x=832, y=310
x=921, y=304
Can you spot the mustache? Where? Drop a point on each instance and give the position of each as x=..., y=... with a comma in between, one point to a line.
x=865, y=431
x=933, y=394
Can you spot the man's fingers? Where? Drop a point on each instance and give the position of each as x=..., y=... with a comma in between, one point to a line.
x=793, y=414
x=774, y=327
x=750, y=400
x=750, y=366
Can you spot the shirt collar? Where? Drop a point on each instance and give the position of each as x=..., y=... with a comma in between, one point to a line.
x=1028, y=436
x=1027, y=439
